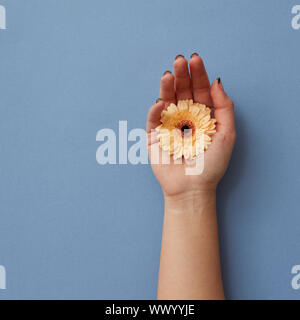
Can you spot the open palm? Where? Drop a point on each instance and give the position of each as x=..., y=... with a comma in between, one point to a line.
x=190, y=81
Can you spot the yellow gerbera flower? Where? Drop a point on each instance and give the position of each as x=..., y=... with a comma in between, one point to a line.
x=186, y=129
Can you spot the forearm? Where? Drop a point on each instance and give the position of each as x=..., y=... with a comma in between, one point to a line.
x=190, y=262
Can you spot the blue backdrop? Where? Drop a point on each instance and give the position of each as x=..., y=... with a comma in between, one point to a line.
x=70, y=228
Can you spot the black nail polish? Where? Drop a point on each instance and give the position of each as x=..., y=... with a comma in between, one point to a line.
x=179, y=55
x=158, y=99
x=194, y=54
x=219, y=79
x=168, y=71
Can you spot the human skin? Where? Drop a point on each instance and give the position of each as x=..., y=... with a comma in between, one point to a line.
x=190, y=262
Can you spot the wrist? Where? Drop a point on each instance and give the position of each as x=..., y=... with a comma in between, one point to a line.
x=190, y=201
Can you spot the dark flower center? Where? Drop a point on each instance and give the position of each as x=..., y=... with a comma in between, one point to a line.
x=187, y=126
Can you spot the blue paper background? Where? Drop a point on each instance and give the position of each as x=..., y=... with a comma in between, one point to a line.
x=70, y=228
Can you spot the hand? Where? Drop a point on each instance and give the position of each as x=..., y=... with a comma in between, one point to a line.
x=194, y=84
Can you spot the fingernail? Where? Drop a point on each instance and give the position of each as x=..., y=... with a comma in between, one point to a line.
x=194, y=54
x=167, y=72
x=220, y=83
x=159, y=99
x=179, y=55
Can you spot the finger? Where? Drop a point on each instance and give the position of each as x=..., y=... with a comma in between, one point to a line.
x=200, y=81
x=154, y=115
x=182, y=79
x=167, y=88
x=224, y=113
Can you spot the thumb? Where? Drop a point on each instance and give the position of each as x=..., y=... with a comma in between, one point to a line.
x=223, y=105
x=154, y=114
